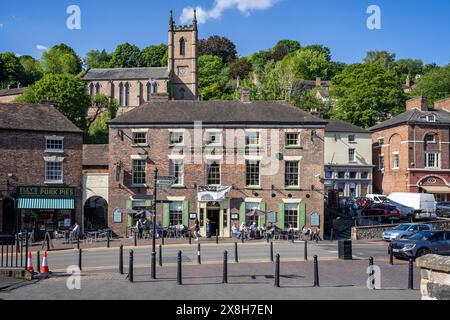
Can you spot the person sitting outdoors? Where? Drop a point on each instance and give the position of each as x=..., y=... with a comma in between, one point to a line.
x=235, y=231
x=244, y=231
x=253, y=230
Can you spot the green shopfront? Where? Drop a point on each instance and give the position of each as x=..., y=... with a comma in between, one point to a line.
x=46, y=209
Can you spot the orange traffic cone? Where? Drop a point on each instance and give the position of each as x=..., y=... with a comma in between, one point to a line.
x=30, y=263
x=44, y=267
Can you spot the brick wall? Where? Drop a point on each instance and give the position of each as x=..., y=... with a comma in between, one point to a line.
x=311, y=166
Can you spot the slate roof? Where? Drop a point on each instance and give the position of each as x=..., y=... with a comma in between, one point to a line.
x=127, y=74
x=95, y=155
x=12, y=92
x=34, y=117
x=342, y=126
x=415, y=116
x=217, y=113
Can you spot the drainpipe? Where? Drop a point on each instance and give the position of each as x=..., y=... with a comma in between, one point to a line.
x=414, y=144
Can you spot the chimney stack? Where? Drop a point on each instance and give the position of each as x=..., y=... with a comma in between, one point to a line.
x=419, y=103
x=245, y=96
x=318, y=82
x=443, y=104
x=408, y=82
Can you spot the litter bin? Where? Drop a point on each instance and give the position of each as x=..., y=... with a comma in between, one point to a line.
x=345, y=250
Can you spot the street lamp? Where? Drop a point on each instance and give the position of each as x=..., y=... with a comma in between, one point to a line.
x=155, y=185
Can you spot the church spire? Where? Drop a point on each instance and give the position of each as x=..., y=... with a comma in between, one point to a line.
x=194, y=20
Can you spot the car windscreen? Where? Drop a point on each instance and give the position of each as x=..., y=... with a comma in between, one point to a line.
x=422, y=236
x=402, y=228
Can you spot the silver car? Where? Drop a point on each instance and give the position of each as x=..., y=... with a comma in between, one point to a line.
x=405, y=230
x=443, y=209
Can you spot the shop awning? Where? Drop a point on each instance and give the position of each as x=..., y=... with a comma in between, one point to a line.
x=437, y=189
x=41, y=203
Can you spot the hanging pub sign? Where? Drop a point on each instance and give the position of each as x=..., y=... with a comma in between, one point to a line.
x=314, y=220
x=46, y=192
x=212, y=194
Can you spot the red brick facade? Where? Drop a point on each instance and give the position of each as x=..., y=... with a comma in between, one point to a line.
x=409, y=140
x=309, y=194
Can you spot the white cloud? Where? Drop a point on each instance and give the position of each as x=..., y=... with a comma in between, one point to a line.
x=1, y=25
x=244, y=6
x=41, y=47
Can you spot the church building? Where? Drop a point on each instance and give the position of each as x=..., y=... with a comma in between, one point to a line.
x=132, y=87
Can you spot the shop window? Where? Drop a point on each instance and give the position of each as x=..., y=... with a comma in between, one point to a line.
x=250, y=206
x=176, y=213
x=291, y=215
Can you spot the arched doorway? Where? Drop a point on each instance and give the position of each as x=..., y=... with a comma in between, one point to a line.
x=9, y=215
x=95, y=214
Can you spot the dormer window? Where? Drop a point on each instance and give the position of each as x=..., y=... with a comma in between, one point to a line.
x=431, y=118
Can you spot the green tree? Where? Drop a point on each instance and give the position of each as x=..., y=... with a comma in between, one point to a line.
x=97, y=59
x=98, y=132
x=218, y=46
x=434, y=85
x=366, y=93
x=61, y=59
x=383, y=58
x=307, y=100
x=126, y=56
x=320, y=48
x=66, y=91
x=283, y=48
x=32, y=70
x=307, y=64
x=101, y=104
x=12, y=71
x=240, y=68
x=152, y=56
x=212, y=74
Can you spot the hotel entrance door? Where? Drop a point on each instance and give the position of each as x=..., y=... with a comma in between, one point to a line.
x=214, y=220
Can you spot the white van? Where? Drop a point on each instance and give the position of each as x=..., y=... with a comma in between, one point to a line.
x=419, y=205
x=377, y=198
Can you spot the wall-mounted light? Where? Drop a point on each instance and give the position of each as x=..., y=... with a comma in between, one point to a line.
x=120, y=134
x=314, y=135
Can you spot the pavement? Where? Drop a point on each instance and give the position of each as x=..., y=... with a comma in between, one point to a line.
x=339, y=280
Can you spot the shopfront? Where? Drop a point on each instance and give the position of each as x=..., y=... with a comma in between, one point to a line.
x=214, y=205
x=46, y=209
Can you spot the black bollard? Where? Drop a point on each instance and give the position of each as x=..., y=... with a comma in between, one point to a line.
x=306, y=250
x=80, y=256
x=236, y=256
x=131, y=267
x=292, y=236
x=199, y=257
x=372, y=272
x=47, y=235
x=26, y=250
x=277, y=272
x=21, y=252
x=38, y=261
x=160, y=256
x=135, y=239
x=411, y=275
x=179, y=269
x=243, y=237
x=78, y=243
x=109, y=239
x=331, y=235
x=225, y=267
x=267, y=238
x=17, y=250
x=316, y=272
x=271, y=252
x=190, y=238
x=162, y=238
x=121, y=259
x=391, y=255
x=1, y=265
x=217, y=236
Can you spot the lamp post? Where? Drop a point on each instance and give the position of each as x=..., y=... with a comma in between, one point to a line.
x=154, y=225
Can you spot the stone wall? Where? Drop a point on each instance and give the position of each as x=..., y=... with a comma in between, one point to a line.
x=435, y=277
x=375, y=232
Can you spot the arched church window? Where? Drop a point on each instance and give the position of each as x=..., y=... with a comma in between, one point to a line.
x=149, y=91
x=97, y=88
x=121, y=94
x=91, y=90
x=182, y=47
x=127, y=94
x=155, y=88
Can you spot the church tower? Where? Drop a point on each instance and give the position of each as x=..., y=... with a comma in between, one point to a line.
x=183, y=60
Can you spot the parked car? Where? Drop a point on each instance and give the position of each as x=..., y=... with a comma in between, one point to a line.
x=423, y=205
x=443, y=209
x=377, y=198
x=421, y=244
x=382, y=211
x=405, y=230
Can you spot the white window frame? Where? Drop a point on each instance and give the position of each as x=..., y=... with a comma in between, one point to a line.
x=379, y=162
x=353, y=160
x=437, y=160
x=217, y=134
x=287, y=140
x=140, y=132
x=431, y=118
x=259, y=172
x=49, y=160
x=220, y=173
x=297, y=206
x=352, y=140
x=132, y=172
x=253, y=133
x=395, y=155
x=172, y=163
x=176, y=132
x=298, y=175
x=54, y=138
x=429, y=135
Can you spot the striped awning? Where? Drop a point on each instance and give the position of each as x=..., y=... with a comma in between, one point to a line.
x=36, y=203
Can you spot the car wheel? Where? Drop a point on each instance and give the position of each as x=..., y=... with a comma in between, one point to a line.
x=423, y=252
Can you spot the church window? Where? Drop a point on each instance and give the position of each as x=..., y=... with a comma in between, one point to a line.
x=127, y=94
x=149, y=91
x=121, y=94
x=182, y=47
x=182, y=93
x=155, y=88
x=91, y=90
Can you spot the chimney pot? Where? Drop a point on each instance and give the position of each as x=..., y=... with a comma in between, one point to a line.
x=419, y=103
x=443, y=104
x=245, y=96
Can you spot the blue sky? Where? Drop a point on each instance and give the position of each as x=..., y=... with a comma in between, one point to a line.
x=410, y=28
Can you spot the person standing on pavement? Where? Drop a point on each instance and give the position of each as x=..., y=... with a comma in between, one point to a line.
x=208, y=229
x=196, y=229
